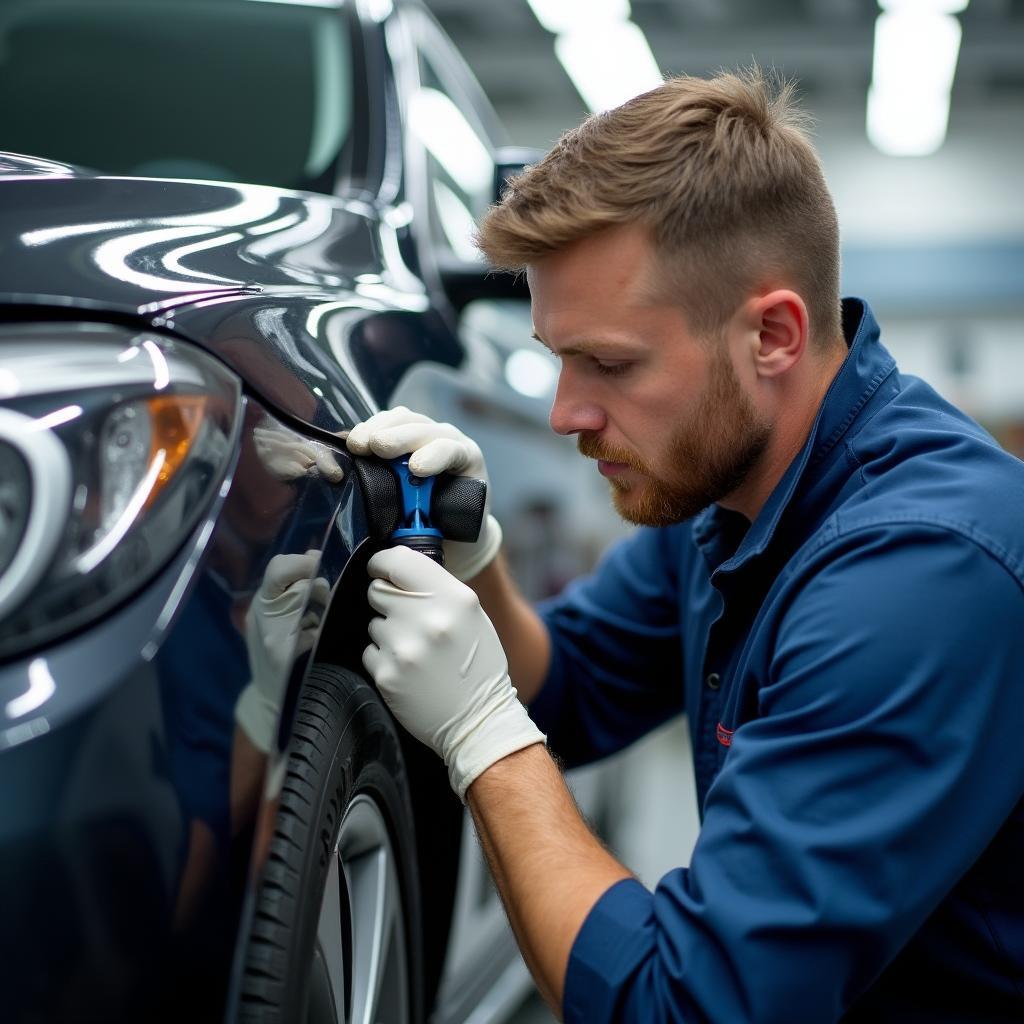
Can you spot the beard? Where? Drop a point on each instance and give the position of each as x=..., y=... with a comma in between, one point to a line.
x=708, y=455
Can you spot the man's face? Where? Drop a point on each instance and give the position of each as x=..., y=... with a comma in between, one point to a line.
x=663, y=412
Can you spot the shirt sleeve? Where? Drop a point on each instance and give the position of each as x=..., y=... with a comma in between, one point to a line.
x=616, y=664
x=884, y=761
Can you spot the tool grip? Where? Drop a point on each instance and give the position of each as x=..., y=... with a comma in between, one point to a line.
x=419, y=512
x=429, y=546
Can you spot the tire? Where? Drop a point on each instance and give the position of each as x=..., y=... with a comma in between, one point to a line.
x=335, y=933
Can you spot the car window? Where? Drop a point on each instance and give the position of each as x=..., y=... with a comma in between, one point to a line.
x=217, y=89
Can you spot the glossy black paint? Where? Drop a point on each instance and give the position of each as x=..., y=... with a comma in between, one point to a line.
x=306, y=297
x=129, y=814
x=133, y=820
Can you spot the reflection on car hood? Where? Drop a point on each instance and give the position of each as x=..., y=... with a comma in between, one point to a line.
x=15, y=165
x=131, y=242
x=253, y=273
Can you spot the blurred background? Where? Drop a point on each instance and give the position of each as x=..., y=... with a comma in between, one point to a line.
x=918, y=107
x=919, y=120
x=928, y=189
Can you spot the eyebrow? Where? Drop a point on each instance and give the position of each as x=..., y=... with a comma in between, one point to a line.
x=582, y=348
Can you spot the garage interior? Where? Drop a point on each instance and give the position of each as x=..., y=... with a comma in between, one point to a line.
x=936, y=241
x=297, y=305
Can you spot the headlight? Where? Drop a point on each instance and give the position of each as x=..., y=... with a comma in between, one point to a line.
x=112, y=445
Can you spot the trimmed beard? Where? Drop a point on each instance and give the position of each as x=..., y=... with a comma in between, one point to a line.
x=712, y=451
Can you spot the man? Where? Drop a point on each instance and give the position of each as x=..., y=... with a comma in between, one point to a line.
x=828, y=580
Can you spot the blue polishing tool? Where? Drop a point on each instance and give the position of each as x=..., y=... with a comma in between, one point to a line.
x=420, y=512
x=417, y=530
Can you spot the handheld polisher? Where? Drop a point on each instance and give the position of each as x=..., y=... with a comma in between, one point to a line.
x=420, y=512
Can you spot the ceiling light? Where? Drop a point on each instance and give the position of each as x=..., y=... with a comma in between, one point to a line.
x=915, y=53
x=900, y=126
x=914, y=66
x=608, y=63
x=560, y=16
x=924, y=6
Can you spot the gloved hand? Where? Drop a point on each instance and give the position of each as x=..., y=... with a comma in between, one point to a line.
x=289, y=456
x=438, y=664
x=280, y=625
x=436, y=448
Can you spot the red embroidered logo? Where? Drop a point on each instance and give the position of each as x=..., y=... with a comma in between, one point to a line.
x=724, y=735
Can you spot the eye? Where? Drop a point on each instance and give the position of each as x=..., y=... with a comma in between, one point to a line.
x=611, y=369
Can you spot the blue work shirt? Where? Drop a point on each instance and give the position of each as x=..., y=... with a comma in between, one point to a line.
x=852, y=669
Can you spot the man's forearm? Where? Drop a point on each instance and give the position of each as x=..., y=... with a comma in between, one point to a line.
x=548, y=866
x=523, y=635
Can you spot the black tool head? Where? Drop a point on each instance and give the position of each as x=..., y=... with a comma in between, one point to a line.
x=457, y=506
x=382, y=495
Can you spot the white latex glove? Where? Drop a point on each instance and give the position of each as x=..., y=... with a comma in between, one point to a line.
x=436, y=448
x=279, y=626
x=438, y=664
x=289, y=456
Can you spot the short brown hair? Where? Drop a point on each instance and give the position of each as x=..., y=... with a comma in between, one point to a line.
x=722, y=173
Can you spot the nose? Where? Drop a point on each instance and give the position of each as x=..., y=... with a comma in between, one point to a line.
x=572, y=411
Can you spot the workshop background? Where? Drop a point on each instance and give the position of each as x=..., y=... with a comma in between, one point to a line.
x=919, y=120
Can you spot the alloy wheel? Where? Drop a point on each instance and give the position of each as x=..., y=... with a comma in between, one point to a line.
x=359, y=973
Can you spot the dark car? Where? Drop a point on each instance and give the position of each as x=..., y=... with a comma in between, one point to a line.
x=243, y=227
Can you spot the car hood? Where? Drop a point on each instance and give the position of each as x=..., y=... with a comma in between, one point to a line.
x=130, y=243
x=255, y=274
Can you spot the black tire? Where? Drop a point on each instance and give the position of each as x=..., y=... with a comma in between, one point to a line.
x=345, y=782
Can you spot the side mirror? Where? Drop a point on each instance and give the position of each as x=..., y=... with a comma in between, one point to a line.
x=466, y=282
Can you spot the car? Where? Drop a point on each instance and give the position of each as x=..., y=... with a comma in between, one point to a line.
x=229, y=231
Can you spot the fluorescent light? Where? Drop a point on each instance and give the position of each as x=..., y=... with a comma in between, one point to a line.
x=560, y=16
x=914, y=66
x=906, y=126
x=608, y=63
x=443, y=129
x=924, y=6
x=915, y=53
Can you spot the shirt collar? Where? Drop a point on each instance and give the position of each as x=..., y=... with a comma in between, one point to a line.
x=867, y=364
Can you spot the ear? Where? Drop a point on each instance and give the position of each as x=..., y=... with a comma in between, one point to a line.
x=779, y=320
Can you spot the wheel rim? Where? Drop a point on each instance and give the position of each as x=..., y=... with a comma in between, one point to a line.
x=359, y=973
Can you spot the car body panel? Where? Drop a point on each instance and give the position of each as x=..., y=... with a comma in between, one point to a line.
x=129, y=816
x=299, y=294
x=137, y=829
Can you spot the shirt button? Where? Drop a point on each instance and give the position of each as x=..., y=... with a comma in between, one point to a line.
x=714, y=681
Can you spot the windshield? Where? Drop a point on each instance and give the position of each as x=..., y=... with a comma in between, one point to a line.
x=228, y=90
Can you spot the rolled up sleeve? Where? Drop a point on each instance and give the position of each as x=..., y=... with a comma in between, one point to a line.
x=884, y=759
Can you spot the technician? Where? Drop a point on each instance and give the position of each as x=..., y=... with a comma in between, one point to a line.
x=828, y=579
